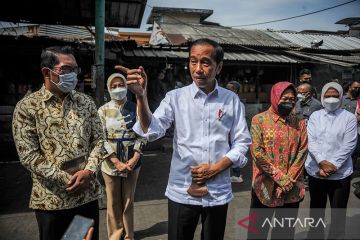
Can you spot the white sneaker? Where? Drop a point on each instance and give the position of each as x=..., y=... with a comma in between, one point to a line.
x=237, y=179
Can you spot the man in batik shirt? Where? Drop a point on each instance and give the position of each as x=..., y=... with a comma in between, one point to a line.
x=59, y=137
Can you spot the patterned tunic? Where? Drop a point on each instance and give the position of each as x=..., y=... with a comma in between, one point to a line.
x=117, y=122
x=48, y=133
x=279, y=150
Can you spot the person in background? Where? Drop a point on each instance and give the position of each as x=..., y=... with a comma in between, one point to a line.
x=210, y=136
x=305, y=77
x=305, y=106
x=59, y=139
x=306, y=103
x=279, y=151
x=332, y=134
x=349, y=101
x=122, y=163
x=356, y=162
x=237, y=177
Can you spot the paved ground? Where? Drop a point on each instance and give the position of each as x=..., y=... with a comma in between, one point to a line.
x=18, y=222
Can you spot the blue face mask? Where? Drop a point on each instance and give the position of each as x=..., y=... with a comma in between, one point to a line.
x=67, y=82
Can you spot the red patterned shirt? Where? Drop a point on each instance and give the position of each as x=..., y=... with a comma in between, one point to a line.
x=279, y=150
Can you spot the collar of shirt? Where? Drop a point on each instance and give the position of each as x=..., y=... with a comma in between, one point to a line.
x=196, y=91
x=113, y=104
x=275, y=117
x=47, y=95
x=346, y=97
x=307, y=102
x=334, y=113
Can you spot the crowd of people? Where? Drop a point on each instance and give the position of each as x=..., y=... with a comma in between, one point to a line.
x=65, y=141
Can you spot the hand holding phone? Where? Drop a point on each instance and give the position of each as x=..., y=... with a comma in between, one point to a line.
x=78, y=228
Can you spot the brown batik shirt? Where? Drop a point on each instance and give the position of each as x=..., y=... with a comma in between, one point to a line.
x=49, y=133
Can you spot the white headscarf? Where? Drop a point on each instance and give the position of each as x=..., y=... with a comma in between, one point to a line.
x=334, y=85
x=112, y=77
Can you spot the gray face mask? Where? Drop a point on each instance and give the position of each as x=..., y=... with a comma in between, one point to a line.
x=331, y=103
x=67, y=82
x=301, y=96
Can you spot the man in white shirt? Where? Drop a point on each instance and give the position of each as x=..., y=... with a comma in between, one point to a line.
x=332, y=136
x=208, y=120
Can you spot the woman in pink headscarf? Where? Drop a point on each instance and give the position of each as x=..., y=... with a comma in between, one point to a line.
x=279, y=151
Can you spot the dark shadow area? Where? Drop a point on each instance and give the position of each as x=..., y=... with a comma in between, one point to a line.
x=155, y=230
x=15, y=185
x=153, y=176
x=247, y=176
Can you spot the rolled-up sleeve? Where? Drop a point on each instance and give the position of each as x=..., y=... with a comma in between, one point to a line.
x=240, y=139
x=161, y=120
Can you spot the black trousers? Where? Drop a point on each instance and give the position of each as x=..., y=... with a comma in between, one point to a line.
x=288, y=210
x=53, y=224
x=184, y=218
x=338, y=193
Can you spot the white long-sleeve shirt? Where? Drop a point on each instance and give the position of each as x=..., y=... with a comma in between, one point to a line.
x=204, y=127
x=332, y=137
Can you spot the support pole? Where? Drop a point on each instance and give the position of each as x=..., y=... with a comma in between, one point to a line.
x=99, y=50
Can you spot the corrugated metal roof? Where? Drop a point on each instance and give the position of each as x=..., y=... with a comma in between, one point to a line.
x=349, y=59
x=149, y=52
x=349, y=21
x=228, y=56
x=65, y=32
x=158, y=11
x=330, y=42
x=257, y=57
x=14, y=25
x=177, y=33
x=344, y=61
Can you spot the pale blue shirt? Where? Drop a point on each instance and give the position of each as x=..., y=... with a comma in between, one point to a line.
x=204, y=127
x=332, y=137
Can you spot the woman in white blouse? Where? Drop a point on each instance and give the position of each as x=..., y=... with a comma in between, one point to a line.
x=332, y=135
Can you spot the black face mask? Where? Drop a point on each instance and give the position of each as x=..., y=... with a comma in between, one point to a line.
x=285, y=108
x=355, y=93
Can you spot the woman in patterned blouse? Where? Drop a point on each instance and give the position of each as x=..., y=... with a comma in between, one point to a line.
x=121, y=167
x=279, y=150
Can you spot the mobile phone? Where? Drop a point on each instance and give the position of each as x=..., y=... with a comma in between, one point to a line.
x=78, y=228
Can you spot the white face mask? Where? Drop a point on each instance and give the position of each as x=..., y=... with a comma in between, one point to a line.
x=67, y=82
x=331, y=103
x=118, y=93
x=301, y=96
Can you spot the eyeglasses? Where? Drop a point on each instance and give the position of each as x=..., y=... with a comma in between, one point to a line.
x=66, y=69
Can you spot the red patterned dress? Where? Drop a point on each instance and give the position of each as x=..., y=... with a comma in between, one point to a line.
x=279, y=150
